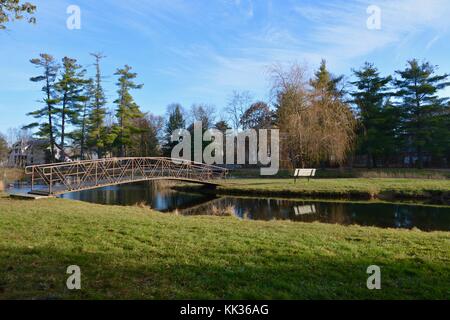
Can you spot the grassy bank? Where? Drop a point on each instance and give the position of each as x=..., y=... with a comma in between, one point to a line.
x=332, y=173
x=131, y=252
x=363, y=188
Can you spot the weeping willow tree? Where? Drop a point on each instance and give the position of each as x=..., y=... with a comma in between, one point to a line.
x=317, y=127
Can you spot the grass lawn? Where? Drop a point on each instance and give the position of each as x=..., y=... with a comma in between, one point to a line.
x=341, y=188
x=131, y=252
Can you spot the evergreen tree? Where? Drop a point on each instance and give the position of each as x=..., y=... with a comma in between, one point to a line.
x=80, y=135
x=70, y=89
x=127, y=110
x=146, y=143
x=423, y=110
x=222, y=126
x=326, y=82
x=175, y=122
x=14, y=10
x=378, y=118
x=97, y=133
x=257, y=116
x=4, y=149
x=46, y=127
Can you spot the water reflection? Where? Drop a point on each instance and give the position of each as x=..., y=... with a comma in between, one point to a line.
x=162, y=198
x=383, y=215
x=302, y=210
x=155, y=195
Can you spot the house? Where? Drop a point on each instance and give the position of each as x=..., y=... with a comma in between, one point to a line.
x=28, y=152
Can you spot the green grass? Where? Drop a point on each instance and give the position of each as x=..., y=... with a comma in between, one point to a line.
x=131, y=252
x=341, y=188
x=330, y=173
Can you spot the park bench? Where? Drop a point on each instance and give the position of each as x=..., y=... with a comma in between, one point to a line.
x=304, y=173
x=305, y=210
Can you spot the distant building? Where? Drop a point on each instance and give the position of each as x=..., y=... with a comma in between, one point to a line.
x=28, y=152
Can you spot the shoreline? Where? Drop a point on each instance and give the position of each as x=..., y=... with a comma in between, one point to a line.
x=423, y=190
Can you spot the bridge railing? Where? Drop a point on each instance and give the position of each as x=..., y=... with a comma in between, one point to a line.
x=81, y=175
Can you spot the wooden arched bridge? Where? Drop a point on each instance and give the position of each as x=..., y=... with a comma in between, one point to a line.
x=59, y=178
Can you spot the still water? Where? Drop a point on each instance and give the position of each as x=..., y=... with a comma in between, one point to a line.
x=385, y=215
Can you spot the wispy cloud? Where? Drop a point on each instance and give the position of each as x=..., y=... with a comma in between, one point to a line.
x=199, y=51
x=342, y=29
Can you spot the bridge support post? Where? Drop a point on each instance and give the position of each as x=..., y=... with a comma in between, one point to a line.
x=32, y=179
x=51, y=181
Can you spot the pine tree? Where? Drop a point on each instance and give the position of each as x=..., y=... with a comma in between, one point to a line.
x=422, y=107
x=80, y=135
x=325, y=81
x=70, y=89
x=47, y=128
x=175, y=122
x=127, y=110
x=146, y=143
x=378, y=118
x=97, y=133
x=14, y=10
x=4, y=149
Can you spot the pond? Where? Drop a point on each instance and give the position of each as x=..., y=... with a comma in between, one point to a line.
x=379, y=214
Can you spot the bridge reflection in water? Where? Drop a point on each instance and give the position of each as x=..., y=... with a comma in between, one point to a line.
x=60, y=178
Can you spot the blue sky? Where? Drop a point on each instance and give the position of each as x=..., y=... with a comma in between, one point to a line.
x=199, y=51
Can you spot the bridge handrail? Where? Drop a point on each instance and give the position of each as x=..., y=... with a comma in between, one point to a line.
x=28, y=169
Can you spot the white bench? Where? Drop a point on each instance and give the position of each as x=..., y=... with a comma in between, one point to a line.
x=305, y=210
x=307, y=173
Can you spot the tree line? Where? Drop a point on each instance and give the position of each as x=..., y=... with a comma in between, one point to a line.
x=73, y=113
x=394, y=120
x=324, y=120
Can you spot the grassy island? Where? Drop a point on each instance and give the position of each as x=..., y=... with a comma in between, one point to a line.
x=363, y=188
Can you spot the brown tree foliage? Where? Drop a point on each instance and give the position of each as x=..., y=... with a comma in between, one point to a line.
x=257, y=116
x=316, y=125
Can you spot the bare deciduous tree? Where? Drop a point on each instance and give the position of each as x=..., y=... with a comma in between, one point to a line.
x=237, y=104
x=18, y=134
x=204, y=113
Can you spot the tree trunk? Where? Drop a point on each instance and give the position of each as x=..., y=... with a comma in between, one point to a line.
x=420, y=157
x=50, y=120
x=83, y=132
x=63, y=125
x=369, y=160
x=374, y=161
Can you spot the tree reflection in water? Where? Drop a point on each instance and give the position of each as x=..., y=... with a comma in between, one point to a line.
x=160, y=197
